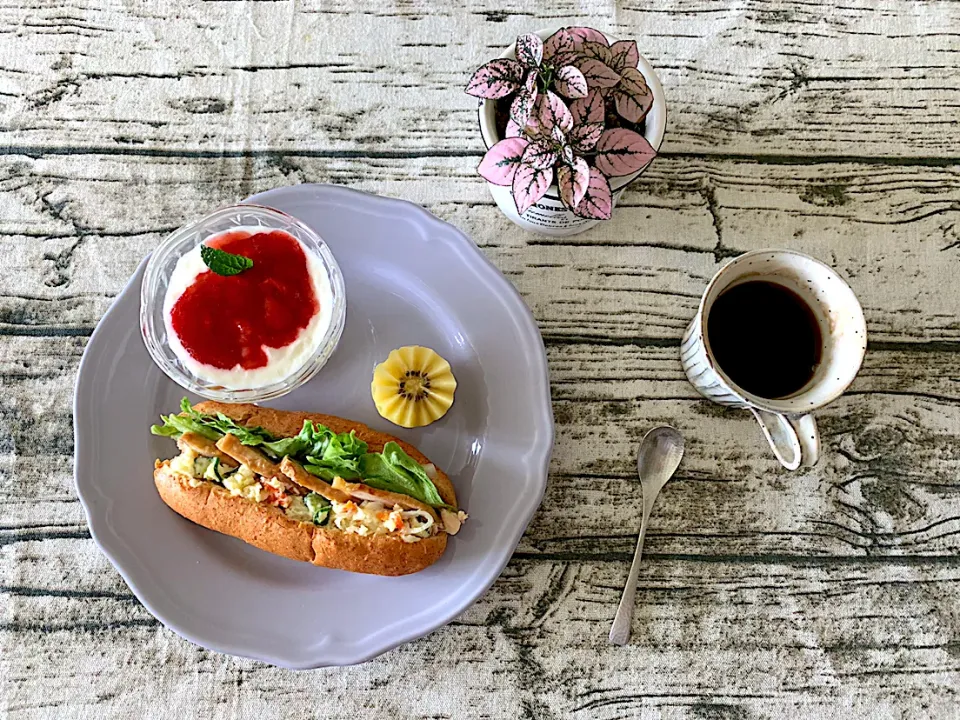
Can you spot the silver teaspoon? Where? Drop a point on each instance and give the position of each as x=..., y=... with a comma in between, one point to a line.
x=659, y=456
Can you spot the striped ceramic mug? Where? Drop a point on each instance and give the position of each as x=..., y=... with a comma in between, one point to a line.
x=786, y=422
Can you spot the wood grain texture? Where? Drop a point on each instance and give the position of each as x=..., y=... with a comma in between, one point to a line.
x=858, y=78
x=827, y=128
x=892, y=231
x=785, y=639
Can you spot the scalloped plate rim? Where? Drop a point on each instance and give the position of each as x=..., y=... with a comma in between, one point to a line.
x=536, y=462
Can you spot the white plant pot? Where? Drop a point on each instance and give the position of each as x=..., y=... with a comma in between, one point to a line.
x=549, y=216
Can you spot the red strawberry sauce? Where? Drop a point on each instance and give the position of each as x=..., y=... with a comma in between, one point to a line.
x=226, y=321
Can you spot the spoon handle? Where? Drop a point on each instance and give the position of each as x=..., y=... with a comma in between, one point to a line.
x=620, y=630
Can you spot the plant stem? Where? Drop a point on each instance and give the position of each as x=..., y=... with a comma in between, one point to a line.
x=545, y=76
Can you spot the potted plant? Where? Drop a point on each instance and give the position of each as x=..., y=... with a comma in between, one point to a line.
x=569, y=119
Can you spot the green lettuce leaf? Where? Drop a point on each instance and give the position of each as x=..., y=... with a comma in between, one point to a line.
x=328, y=469
x=212, y=427
x=336, y=456
x=247, y=435
x=395, y=471
x=318, y=442
x=301, y=443
x=165, y=430
x=176, y=425
x=346, y=445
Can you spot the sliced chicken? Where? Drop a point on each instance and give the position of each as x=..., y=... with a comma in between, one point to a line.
x=365, y=492
x=452, y=520
x=251, y=457
x=204, y=447
x=294, y=470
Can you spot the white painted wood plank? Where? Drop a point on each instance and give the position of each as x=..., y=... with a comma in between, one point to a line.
x=744, y=638
x=861, y=78
x=70, y=234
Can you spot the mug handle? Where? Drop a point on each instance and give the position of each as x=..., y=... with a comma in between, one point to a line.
x=794, y=438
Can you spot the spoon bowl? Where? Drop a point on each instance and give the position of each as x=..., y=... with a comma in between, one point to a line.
x=660, y=452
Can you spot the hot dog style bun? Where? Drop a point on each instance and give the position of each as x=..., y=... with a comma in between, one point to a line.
x=364, y=546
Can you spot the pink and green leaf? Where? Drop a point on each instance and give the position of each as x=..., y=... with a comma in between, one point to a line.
x=530, y=81
x=584, y=137
x=500, y=163
x=513, y=130
x=597, y=74
x=529, y=185
x=532, y=128
x=535, y=125
x=597, y=51
x=589, y=109
x=559, y=42
x=634, y=81
x=566, y=154
x=622, y=152
x=632, y=107
x=570, y=82
x=553, y=112
x=632, y=97
x=539, y=155
x=624, y=54
x=565, y=57
x=497, y=79
x=522, y=106
x=597, y=202
x=573, y=180
x=530, y=50
x=585, y=34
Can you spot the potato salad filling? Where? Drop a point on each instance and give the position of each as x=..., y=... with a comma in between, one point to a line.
x=374, y=518
x=361, y=517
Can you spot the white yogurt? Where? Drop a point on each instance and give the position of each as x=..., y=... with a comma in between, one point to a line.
x=281, y=362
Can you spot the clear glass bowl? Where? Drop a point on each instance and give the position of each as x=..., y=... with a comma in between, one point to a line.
x=157, y=277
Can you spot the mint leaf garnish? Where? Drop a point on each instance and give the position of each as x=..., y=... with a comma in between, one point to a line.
x=224, y=263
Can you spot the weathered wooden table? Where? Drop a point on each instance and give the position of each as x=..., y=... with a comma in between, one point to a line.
x=825, y=127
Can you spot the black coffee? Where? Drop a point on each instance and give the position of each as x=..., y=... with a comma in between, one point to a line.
x=765, y=338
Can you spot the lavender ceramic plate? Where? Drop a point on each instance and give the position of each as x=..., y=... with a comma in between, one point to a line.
x=411, y=279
